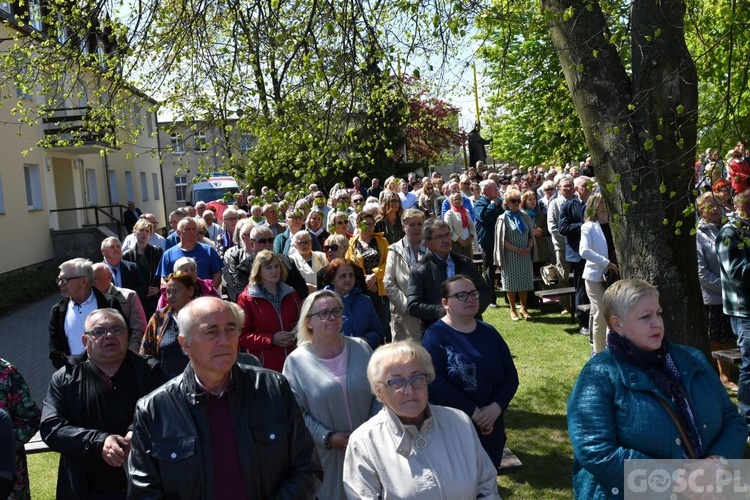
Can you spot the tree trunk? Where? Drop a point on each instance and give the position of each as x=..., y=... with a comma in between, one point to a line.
x=641, y=133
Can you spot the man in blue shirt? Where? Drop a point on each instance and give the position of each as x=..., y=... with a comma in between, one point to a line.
x=207, y=258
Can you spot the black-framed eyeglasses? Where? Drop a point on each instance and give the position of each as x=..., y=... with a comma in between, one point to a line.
x=418, y=381
x=101, y=331
x=325, y=314
x=464, y=296
x=331, y=248
x=63, y=280
x=263, y=241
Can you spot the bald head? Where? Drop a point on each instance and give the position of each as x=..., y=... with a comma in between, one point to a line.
x=102, y=277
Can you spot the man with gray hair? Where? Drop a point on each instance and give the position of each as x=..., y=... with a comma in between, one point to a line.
x=488, y=208
x=438, y=264
x=208, y=260
x=217, y=443
x=89, y=409
x=131, y=306
x=67, y=317
x=213, y=230
x=566, y=192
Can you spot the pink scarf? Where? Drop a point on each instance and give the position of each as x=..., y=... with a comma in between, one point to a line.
x=464, y=215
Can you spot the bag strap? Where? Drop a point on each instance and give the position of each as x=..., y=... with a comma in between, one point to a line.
x=678, y=424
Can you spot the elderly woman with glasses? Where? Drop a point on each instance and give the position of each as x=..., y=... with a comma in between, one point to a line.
x=411, y=449
x=160, y=337
x=328, y=374
x=474, y=370
x=515, y=251
x=308, y=262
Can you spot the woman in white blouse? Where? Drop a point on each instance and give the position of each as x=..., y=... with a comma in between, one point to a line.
x=308, y=261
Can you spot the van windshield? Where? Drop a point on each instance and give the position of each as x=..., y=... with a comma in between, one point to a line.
x=212, y=194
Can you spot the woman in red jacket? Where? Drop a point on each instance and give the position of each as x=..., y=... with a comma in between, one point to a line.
x=272, y=310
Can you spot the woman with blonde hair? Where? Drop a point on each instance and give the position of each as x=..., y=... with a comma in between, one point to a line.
x=720, y=334
x=515, y=250
x=597, y=248
x=272, y=310
x=646, y=398
x=328, y=375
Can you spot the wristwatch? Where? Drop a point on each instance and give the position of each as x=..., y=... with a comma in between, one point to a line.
x=327, y=441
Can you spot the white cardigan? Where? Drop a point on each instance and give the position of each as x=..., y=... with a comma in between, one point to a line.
x=594, y=249
x=319, y=261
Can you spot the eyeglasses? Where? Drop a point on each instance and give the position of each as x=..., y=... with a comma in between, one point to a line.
x=331, y=248
x=368, y=224
x=445, y=236
x=549, y=189
x=230, y=219
x=201, y=233
x=514, y=200
x=464, y=296
x=63, y=280
x=101, y=331
x=358, y=200
x=418, y=381
x=326, y=314
x=263, y=241
x=341, y=223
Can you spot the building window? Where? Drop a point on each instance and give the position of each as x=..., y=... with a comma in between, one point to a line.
x=144, y=186
x=201, y=145
x=129, y=190
x=149, y=123
x=62, y=29
x=137, y=118
x=246, y=142
x=35, y=14
x=180, y=187
x=92, y=194
x=155, y=184
x=176, y=144
x=33, y=187
x=5, y=7
x=112, y=176
x=2, y=200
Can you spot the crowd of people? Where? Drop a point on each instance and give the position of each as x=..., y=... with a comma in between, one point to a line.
x=364, y=309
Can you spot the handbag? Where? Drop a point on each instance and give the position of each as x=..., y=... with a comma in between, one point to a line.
x=550, y=276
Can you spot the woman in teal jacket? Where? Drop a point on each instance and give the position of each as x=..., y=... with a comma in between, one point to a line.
x=628, y=400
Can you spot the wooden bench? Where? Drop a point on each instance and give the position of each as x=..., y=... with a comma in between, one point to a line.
x=558, y=292
x=732, y=356
x=36, y=445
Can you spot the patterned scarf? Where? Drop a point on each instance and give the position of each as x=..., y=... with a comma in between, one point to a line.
x=660, y=367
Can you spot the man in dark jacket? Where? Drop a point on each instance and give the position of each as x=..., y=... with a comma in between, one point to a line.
x=124, y=274
x=571, y=220
x=439, y=264
x=67, y=317
x=220, y=430
x=89, y=409
x=487, y=209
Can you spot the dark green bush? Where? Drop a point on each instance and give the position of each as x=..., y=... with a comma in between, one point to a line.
x=26, y=287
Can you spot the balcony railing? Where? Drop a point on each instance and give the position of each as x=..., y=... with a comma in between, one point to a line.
x=69, y=130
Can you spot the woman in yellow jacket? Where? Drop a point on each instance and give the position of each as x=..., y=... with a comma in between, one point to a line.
x=369, y=250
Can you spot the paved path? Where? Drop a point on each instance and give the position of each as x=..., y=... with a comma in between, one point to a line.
x=24, y=342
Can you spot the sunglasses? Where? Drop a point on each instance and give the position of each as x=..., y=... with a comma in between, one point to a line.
x=263, y=241
x=514, y=200
x=331, y=248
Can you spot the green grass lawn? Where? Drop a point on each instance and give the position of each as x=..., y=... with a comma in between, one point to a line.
x=548, y=352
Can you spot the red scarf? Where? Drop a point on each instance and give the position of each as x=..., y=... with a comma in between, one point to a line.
x=464, y=215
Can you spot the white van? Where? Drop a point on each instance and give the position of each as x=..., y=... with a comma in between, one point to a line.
x=213, y=188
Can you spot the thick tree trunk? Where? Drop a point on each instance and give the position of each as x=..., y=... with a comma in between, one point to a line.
x=641, y=133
